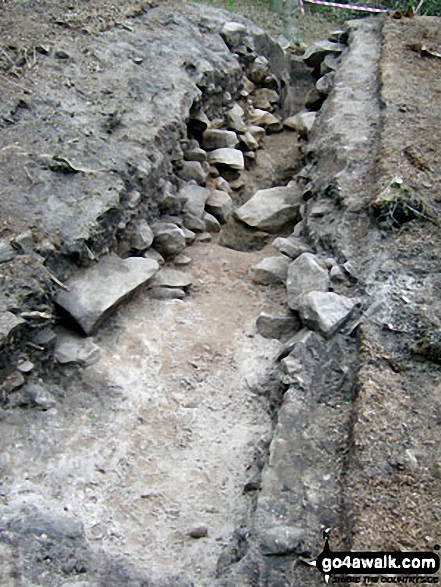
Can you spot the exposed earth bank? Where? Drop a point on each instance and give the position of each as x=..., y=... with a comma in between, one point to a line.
x=275, y=368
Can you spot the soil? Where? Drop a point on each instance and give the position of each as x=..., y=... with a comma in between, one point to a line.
x=157, y=440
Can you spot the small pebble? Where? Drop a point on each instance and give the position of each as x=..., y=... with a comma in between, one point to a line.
x=198, y=532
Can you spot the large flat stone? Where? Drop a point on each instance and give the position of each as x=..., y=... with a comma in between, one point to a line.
x=96, y=292
x=271, y=209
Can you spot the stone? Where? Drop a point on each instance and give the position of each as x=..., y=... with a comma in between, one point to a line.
x=329, y=64
x=271, y=209
x=196, y=154
x=166, y=293
x=222, y=185
x=24, y=243
x=189, y=235
x=316, y=53
x=8, y=323
x=233, y=33
x=291, y=246
x=13, y=382
x=38, y=395
x=325, y=311
x=193, y=198
x=199, y=121
x=182, y=260
x=204, y=237
x=172, y=278
x=220, y=205
x=259, y=70
x=192, y=170
x=211, y=223
x=142, y=237
x=71, y=348
x=214, y=138
x=250, y=155
x=198, y=532
x=302, y=122
x=155, y=256
x=169, y=239
x=314, y=100
x=45, y=338
x=268, y=121
x=278, y=326
x=339, y=36
x=264, y=98
x=7, y=253
x=249, y=141
x=25, y=366
x=336, y=274
x=193, y=222
x=228, y=157
x=96, y=292
x=325, y=84
x=270, y=270
x=281, y=540
x=257, y=132
x=234, y=119
x=305, y=275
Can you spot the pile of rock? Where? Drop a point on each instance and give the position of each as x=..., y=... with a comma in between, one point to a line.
x=324, y=58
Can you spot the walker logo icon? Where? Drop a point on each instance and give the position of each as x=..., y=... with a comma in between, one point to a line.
x=376, y=563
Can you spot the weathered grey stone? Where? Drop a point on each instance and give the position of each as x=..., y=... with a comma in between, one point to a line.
x=325, y=311
x=271, y=209
x=336, y=273
x=316, y=53
x=220, y=205
x=189, y=235
x=249, y=141
x=38, y=395
x=278, y=326
x=258, y=132
x=193, y=222
x=195, y=154
x=222, y=185
x=169, y=239
x=214, y=138
x=24, y=243
x=7, y=253
x=329, y=64
x=14, y=381
x=8, y=323
x=182, y=260
x=192, y=170
x=172, y=278
x=199, y=121
x=167, y=293
x=95, y=292
x=233, y=33
x=198, y=532
x=142, y=237
x=250, y=155
x=302, y=122
x=291, y=246
x=305, y=274
x=314, y=100
x=339, y=36
x=25, y=366
x=70, y=348
x=155, y=256
x=193, y=198
x=264, y=98
x=281, y=540
x=270, y=270
x=229, y=157
x=325, y=84
x=235, y=119
x=45, y=338
x=204, y=237
x=259, y=70
x=268, y=121
x=211, y=223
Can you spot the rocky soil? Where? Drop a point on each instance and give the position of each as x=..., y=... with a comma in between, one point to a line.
x=219, y=313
